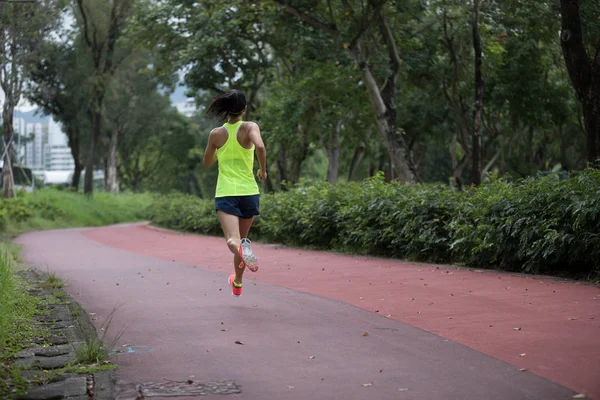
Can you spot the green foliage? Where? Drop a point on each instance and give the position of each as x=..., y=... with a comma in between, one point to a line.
x=16, y=312
x=53, y=282
x=50, y=208
x=538, y=225
x=184, y=212
x=544, y=225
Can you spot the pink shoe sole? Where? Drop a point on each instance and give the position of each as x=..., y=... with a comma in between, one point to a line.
x=252, y=265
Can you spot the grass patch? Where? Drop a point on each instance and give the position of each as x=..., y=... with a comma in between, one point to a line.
x=53, y=282
x=91, y=351
x=55, y=209
x=90, y=369
x=94, y=349
x=17, y=309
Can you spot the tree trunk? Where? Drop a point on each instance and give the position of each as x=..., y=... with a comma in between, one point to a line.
x=563, y=147
x=591, y=116
x=476, y=133
x=91, y=159
x=458, y=165
x=382, y=100
x=585, y=75
x=76, y=176
x=7, y=176
x=359, y=154
x=282, y=166
x=299, y=155
x=530, y=155
x=333, y=154
x=384, y=105
x=112, y=179
x=75, y=146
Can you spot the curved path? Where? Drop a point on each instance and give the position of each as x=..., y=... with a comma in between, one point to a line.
x=326, y=326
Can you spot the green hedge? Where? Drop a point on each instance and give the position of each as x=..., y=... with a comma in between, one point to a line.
x=536, y=225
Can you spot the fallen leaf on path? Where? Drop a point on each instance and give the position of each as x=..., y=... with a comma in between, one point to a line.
x=238, y=342
x=367, y=384
x=366, y=334
x=311, y=357
x=522, y=354
x=522, y=369
x=516, y=329
x=389, y=316
x=572, y=319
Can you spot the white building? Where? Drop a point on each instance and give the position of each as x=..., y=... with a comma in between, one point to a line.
x=187, y=107
x=19, y=126
x=36, y=135
x=58, y=154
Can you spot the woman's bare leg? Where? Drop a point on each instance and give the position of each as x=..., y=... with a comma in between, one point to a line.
x=231, y=228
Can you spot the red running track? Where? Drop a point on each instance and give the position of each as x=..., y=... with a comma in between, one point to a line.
x=189, y=322
x=559, y=322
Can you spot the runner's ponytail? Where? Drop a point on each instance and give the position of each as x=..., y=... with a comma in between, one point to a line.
x=229, y=103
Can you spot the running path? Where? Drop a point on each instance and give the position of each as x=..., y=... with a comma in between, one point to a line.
x=187, y=318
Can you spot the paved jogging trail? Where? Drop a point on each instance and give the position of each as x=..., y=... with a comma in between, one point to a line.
x=317, y=325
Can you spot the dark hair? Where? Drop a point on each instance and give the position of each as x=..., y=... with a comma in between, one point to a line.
x=228, y=103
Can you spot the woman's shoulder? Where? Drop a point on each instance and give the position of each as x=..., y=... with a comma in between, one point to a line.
x=250, y=125
x=219, y=131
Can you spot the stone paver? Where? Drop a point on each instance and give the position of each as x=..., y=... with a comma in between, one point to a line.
x=65, y=389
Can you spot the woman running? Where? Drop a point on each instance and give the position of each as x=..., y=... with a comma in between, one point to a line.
x=237, y=198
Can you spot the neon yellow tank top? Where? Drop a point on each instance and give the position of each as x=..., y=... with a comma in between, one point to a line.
x=236, y=175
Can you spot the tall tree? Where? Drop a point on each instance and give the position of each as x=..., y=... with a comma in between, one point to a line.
x=101, y=26
x=368, y=21
x=220, y=45
x=22, y=26
x=57, y=86
x=584, y=70
x=478, y=107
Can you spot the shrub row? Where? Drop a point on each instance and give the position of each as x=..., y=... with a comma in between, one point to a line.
x=537, y=225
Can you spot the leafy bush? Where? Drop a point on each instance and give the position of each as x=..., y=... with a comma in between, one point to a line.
x=537, y=225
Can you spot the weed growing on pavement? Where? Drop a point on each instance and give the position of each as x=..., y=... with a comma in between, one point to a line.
x=53, y=282
x=94, y=349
